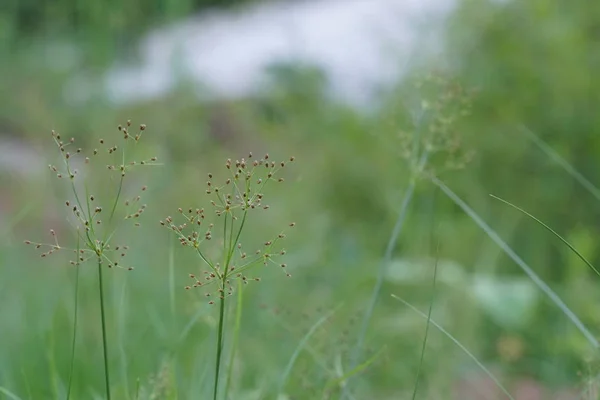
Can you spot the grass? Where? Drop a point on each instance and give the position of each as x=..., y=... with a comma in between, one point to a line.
x=170, y=342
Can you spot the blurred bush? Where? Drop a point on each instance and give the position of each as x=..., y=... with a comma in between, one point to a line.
x=27, y=18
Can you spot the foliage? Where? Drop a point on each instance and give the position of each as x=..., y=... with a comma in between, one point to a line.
x=531, y=63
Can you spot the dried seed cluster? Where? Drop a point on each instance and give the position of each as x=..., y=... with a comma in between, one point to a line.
x=86, y=215
x=241, y=192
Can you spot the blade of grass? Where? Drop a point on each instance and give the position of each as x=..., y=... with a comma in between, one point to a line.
x=137, y=389
x=317, y=358
x=356, y=370
x=459, y=344
x=569, y=245
x=288, y=369
x=122, y=329
x=432, y=298
x=27, y=384
x=9, y=394
x=550, y=152
x=54, y=375
x=422, y=358
x=519, y=261
x=387, y=257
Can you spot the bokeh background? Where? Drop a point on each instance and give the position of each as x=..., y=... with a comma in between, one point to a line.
x=340, y=85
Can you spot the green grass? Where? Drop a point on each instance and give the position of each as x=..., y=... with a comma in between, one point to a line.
x=295, y=337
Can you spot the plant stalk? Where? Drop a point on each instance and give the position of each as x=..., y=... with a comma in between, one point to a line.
x=103, y=320
x=219, y=340
x=73, y=343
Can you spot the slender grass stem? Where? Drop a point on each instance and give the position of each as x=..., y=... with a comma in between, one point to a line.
x=460, y=346
x=103, y=322
x=387, y=257
x=75, y=313
x=557, y=158
x=229, y=249
x=569, y=245
x=429, y=312
x=543, y=286
x=236, y=336
x=219, y=343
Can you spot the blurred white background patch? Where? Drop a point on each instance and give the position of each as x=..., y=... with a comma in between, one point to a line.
x=361, y=46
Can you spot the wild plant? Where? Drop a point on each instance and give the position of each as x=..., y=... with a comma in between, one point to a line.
x=215, y=234
x=431, y=145
x=102, y=198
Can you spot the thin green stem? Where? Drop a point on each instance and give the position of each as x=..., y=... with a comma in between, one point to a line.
x=237, y=238
x=387, y=257
x=75, y=312
x=383, y=267
x=228, y=256
x=569, y=245
x=543, y=286
x=103, y=320
x=219, y=341
x=300, y=347
x=424, y=346
x=460, y=345
x=570, y=169
x=114, y=207
x=236, y=336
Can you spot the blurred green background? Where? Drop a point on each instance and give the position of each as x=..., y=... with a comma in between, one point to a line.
x=530, y=63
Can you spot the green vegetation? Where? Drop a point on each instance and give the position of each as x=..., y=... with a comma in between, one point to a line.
x=408, y=279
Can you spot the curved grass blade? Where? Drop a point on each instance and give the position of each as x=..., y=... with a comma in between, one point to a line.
x=460, y=345
x=356, y=370
x=385, y=262
x=288, y=369
x=519, y=261
x=10, y=395
x=557, y=158
x=424, y=346
x=581, y=257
